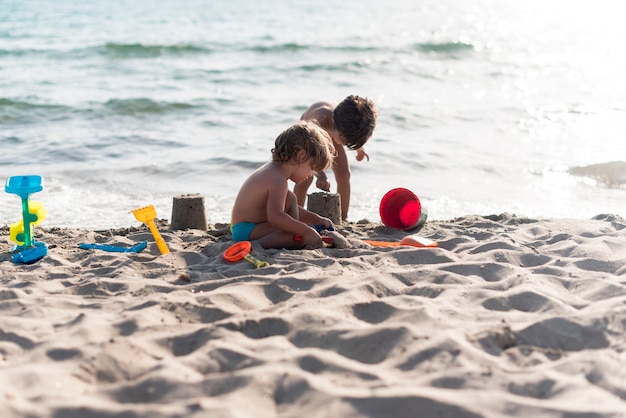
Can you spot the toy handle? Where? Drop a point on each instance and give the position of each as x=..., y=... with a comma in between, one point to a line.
x=256, y=262
x=160, y=242
x=329, y=240
x=27, y=219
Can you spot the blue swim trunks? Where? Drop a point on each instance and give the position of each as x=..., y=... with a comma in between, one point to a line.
x=242, y=230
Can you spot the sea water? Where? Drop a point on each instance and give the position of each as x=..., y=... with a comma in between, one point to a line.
x=485, y=107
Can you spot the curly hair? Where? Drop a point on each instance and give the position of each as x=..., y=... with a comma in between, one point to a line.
x=308, y=137
x=355, y=120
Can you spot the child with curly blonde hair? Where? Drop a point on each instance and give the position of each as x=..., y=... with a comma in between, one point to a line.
x=265, y=209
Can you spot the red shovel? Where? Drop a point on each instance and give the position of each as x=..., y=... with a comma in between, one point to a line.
x=328, y=240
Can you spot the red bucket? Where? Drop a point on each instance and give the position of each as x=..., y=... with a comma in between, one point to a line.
x=401, y=209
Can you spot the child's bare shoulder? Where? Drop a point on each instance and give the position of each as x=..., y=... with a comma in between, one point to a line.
x=319, y=109
x=323, y=104
x=268, y=173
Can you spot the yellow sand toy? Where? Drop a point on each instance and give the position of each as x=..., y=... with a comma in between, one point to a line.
x=147, y=214
x=26, y=251
x=38, y=213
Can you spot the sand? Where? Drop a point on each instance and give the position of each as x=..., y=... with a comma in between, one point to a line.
x=508, y=317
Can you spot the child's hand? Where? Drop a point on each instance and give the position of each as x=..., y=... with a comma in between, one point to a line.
x=312, y=240
x=325, y=222
x=323, y=184
x=360, y=154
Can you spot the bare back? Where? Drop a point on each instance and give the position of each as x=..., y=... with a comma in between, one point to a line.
x=267, y=184
x=322, y=113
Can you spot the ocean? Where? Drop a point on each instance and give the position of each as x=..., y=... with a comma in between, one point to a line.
x=485, y=107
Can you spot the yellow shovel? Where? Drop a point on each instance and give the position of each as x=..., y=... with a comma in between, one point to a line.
x=147, y=214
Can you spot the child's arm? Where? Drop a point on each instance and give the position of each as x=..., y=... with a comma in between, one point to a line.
x=311, y=218
x=281, y=220
x=277, y=204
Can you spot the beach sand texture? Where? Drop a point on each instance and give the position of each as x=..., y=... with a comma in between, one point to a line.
x=507, y=317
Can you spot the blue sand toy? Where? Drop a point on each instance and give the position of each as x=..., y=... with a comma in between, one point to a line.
x=137, y=248
x=322, y=228
x=27, y=250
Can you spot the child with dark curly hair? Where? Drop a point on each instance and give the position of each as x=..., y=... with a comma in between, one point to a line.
x=265, y=209
x=350, y=124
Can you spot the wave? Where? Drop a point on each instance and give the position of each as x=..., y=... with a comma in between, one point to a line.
x=18, y=52
x=611, y=174
x=444, y=47
x=148, y=51
x=139, y=50
x=350, y=67
x=15, y=111
x=115, y=50
x=144, y=105
x=295, y=47
x=230, y=164
x=21, y=111
x=285, y=47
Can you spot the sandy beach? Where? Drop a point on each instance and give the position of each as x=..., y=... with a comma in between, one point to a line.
x=507, y=317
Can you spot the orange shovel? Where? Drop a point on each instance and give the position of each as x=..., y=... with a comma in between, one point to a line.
x=409, y=240
x=147, y=214
x=241, y=251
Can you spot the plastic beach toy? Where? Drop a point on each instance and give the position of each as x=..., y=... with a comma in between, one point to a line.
x=241, y=251
x=27, y=250
x=37, y=212
x=319, y=229
x=401, y=209
x=147, y=214
x=328, y=240
x=409, y=240
x=322, y=228
x=137, y=248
